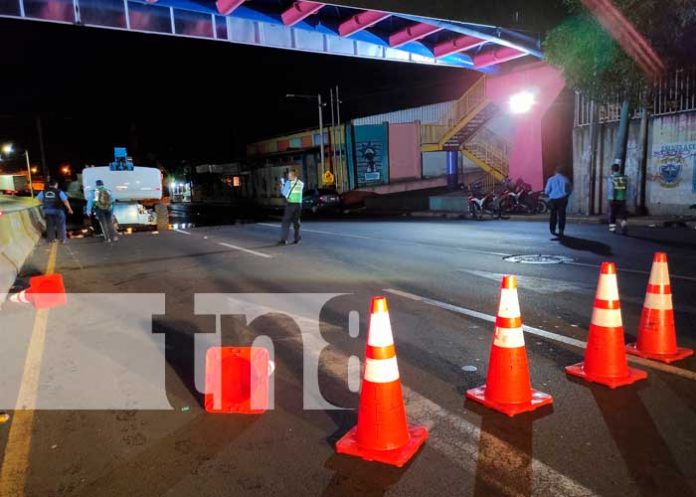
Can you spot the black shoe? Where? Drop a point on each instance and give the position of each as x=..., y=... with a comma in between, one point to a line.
x=297, y=242
x=282, y=242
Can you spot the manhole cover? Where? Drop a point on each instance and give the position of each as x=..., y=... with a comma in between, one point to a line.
x=538, y=259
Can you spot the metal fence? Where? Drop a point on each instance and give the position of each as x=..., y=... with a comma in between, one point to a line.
x=671, y=94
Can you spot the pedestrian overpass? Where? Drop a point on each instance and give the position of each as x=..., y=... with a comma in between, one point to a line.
x=301, y=25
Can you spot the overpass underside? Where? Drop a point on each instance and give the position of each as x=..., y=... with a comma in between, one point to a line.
x=302, y=25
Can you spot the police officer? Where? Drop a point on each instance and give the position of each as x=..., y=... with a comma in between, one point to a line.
x=558, y=189
x=617, y=186
x=53, y=200
x=291, y=189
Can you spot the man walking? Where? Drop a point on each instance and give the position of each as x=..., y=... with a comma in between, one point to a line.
x=55, y=203
x=102, y=204
x=617, y=187
x=558, y=189
x=291, y=189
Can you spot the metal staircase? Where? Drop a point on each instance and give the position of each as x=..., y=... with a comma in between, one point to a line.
x=462, y=128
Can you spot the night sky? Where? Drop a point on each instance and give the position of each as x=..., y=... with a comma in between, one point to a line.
x=170, y=99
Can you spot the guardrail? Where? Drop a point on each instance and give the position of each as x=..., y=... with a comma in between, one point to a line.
x=21, y=225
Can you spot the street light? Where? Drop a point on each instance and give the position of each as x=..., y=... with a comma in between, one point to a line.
x=8, y=149
x=522, y=102
x=321, y=121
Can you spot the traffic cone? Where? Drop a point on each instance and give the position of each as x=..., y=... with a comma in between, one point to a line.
x=508, y=388
x=236, y=380
x=382, y=433
x=657, y=336
x=605, y=356
x=44, y=292
x=22, y=297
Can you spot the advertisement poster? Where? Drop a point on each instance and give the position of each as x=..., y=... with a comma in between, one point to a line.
x=368, y=157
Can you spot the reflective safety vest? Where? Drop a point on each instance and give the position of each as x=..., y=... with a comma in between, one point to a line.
x=295, y=192
x=620, y=185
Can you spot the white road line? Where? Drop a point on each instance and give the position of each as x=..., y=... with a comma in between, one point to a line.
x=362, y=237
x=636, y=271
x=248, y=251
x=684, y=373
x=182, y=232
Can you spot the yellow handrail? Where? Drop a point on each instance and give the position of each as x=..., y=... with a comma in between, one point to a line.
x=466, y=103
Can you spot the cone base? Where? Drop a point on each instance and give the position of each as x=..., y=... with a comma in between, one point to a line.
x=539, y=399
x=395, y=457
x=633, y=376
x=681, y=353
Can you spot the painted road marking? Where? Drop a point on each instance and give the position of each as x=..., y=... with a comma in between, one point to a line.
x=15, y=464
x=390, y=240
x=684, y=373
x=635, y=271
x=242, y=249
x=182, y=231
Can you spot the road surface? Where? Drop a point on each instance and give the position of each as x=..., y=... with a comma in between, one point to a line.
x=441, y=279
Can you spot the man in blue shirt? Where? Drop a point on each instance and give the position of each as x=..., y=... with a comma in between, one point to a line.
x=558, y=189
x=53, y=201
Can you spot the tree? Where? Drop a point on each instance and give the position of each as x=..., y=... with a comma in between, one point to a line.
x=594, y=64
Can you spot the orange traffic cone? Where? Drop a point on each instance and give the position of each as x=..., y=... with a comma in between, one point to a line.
x=44, y=292
x=605, y=356
x=508, y=388
x=236, y=380
x=657, y=336
x=382, y=433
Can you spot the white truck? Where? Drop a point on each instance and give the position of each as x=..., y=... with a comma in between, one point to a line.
x=137, y=191
x=13, y=183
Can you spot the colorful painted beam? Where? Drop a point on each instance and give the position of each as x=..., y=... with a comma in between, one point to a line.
x=361, y=21
x=497, y=55
x=456, y=45
x=412, y=33
x=226, y=7
x=300, y=11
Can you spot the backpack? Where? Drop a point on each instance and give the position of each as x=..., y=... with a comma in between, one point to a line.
x=104, y=199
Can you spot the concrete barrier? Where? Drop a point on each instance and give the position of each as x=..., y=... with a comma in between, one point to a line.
x=21, y=225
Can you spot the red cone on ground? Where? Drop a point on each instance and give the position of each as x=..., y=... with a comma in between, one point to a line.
x=44, y=292
x=605, y=357
x=236, y=380
x=657, y=335
x=508, y=388
x=382, y=433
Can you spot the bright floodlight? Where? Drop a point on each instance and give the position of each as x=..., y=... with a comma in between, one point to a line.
x=522, y=102
x=7, y=149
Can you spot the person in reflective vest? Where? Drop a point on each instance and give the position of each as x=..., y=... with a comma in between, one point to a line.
x=617, y=186
x=55, y=203
x=291, y=190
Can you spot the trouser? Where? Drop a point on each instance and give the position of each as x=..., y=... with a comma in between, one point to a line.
x=617, y=210
x=105, y=218
x=291, y=215
x=558, y=214
x=55, y=226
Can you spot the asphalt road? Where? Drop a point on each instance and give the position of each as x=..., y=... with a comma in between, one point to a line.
x=437, y=275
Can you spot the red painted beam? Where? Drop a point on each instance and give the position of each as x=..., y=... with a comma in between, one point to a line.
x=300, y=11
x=361, y=21
x=497, y=56
x=412, y=33
x=226, y=7
x=456, y=45
x=151, y=2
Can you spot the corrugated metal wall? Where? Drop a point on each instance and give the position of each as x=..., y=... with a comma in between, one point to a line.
x=428, y=114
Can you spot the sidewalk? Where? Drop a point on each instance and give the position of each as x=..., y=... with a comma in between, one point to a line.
x=645, y=221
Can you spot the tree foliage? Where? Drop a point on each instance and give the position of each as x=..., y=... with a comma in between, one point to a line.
x=596, y=65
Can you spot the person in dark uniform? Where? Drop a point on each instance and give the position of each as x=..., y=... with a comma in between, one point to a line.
x=55, y=203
